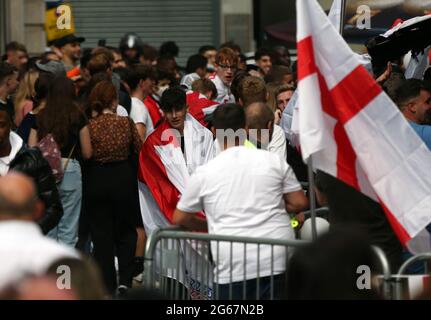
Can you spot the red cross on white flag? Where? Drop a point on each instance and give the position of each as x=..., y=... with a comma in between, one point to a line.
x=354, y=131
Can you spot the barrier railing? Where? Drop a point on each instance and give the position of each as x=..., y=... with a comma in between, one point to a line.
x=182, y=266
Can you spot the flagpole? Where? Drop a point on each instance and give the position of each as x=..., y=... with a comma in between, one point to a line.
x=312, y=198
x=342, y=14
x=310, y=160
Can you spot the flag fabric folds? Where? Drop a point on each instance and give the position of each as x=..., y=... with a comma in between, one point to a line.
x=200, y=106
x=354, y=131
x=163, y=174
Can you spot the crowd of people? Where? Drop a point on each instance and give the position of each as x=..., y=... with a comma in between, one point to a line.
x=101, y=146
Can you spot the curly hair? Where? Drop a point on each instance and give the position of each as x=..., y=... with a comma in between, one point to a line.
x=252, y=89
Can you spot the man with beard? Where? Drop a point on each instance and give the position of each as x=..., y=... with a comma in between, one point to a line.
x=414, y=101
x=70, y=48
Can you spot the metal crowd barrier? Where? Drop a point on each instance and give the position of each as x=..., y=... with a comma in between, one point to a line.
x=386, y=289
x=322, y=212
x=400, y=287
x=181, y=264
x=173, y=267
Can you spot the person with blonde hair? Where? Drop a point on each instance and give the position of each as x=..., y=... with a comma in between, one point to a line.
x=24, y=96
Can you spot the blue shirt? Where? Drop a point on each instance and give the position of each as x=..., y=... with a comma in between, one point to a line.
x=424, y=132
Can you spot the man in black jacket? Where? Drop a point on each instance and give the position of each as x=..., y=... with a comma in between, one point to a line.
x=16, y=156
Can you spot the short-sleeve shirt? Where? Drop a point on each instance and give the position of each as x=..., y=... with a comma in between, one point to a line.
x=113, y=137
x=241, y=192
x=139, y=114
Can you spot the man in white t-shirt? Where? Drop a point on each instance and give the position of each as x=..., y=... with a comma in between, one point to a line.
x=141, y=81
x=24, y=251
x=243, y=192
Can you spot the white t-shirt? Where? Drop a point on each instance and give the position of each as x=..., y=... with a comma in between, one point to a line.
x=24, y=251
x=188, y=80
x=278, y=142
x=139, y=114
x=224, y=94
x=241, y=192
x=121, y=111
x=16, y=144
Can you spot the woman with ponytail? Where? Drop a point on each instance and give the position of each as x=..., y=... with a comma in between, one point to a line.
x=111, y=196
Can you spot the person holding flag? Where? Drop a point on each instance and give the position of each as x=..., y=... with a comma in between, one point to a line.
x=168, y=157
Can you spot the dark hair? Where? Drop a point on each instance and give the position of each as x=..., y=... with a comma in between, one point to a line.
x=195, y=62
x=98, y=77
x=206, y=48
x=173, y=98
x=98, y=63
x=277, y=73
x=85, y=58
x=427, y=75
x=41, y=88
x=44, y=57
x=15, y=46
x=6, y=70
x=166, y=66
x=123, y=72
x=149, y=52
x=141, y=72
x=410, y=89
x=169, y=48
x=30, y=65
x=61, y=114
x=327, y=268
x=237, y=78
x=281, y=56
x=102, y=96
x=229, y=116
x=261, y=52
x=393, y=83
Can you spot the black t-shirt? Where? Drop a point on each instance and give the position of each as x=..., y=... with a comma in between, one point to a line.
x=25, y=126
x=350, y=207
x=9, y=107
x=73, y=138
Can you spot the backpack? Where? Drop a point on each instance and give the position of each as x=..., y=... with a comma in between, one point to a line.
x=51, y=152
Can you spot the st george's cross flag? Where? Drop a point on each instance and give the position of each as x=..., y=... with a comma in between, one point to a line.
x=165, y=165
x=354, y=131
